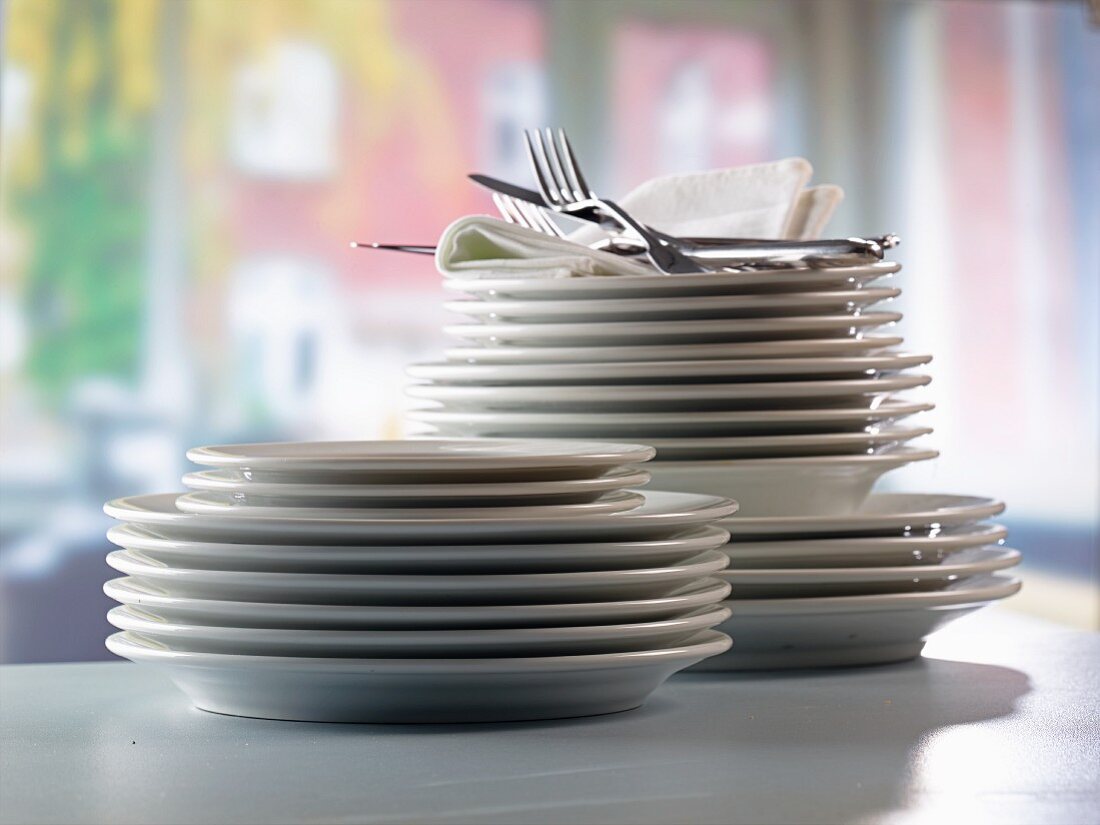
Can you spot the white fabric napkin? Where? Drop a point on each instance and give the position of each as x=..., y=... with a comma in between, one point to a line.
x=812, y=210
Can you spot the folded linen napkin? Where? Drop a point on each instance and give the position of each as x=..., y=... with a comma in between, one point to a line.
x=815, y=205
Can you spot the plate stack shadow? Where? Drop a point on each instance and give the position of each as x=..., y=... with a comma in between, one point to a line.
x=450, y=580
x=783, y=389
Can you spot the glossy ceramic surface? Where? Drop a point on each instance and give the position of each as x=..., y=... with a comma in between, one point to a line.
x=783, y=446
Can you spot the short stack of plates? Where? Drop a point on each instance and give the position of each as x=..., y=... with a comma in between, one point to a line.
x=863, y=588
x=741, y=380
x=419, y=581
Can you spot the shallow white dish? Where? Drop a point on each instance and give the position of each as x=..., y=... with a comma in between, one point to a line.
x=232, y=506
x=711, y=283
x=799, y=348
x=417, y=589
x=418, y=690
x=565, y=491
x=847, y=630
x=782, y=487
x=432, y=460
x=778, y=446
x=929, y=547
x=437, y=559
x=856, y=581
x=348, y=617
x=645, y=425
x=662, y=515
x=413, y=644
x=687, y=397
x=587, y=309
x=882, y=514
x=666, y=371
x=682, y=332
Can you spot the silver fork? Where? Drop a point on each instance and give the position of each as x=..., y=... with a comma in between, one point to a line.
x=565, y=190
x=526, y=214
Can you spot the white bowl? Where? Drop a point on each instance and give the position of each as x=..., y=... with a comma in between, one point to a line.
x=685, y=398
x=588, y=310
x=882, y=514
x=418, y=589
x=863, y=551
x=418, y=690
x=431, y=460
x=789, y=583
x=662, y=515
x=186, y=610
x=847, y=630
x=711, y=283
x=477, y=494
x=779, y=487
x=434, y=559
x=416, y=644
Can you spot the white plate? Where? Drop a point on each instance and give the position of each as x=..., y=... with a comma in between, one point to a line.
x=672, y=372
x=645, y=425
x=566, y=491
x=867, y=551
x=801, y=348
x=711, y=283
x=230, y=506
x=673, y=332
x=667, y=396
x=377, y=617
x=588, y=309
x=436, y=559
x=418, y=690
x=823, y=485
x=417, y=589
x=855, y=581
x=881, y=514
x=779, y=446
x=415, y=644
x=848, y=630
x=662, y=515
x=431, y=460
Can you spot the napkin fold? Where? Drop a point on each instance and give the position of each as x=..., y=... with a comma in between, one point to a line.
x=812, y=210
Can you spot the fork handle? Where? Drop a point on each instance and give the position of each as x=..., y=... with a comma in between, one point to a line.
x=666, y=256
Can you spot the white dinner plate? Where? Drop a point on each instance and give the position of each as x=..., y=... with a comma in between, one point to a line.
x=645, y=425
x=710, y=283
x=822, y=485
x=589, y=310
x=881, y=514
x=662, y=515
x=687, y=397
x=857, y=581
x=349, y=617
x=660, y=353
x=930, y=547
x=230, y=506
x=417, y=644
x=666, y=371
x=417, y=589
x=779, y=446
x=436, y=559
x=418, y=690
x=674, y=332
x=432, y=460
x=848, y=630
x=565, y=491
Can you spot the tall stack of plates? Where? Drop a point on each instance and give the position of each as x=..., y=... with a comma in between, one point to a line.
x=422, y=581
x=778, y=388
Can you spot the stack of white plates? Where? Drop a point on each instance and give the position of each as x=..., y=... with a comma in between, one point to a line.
x=422, y=581
x=768, y=383
x=777, y=388
x=863, y=588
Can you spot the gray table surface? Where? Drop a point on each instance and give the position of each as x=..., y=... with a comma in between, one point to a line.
x=999, y=722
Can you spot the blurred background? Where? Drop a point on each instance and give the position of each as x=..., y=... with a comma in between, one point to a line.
x=179, y=180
